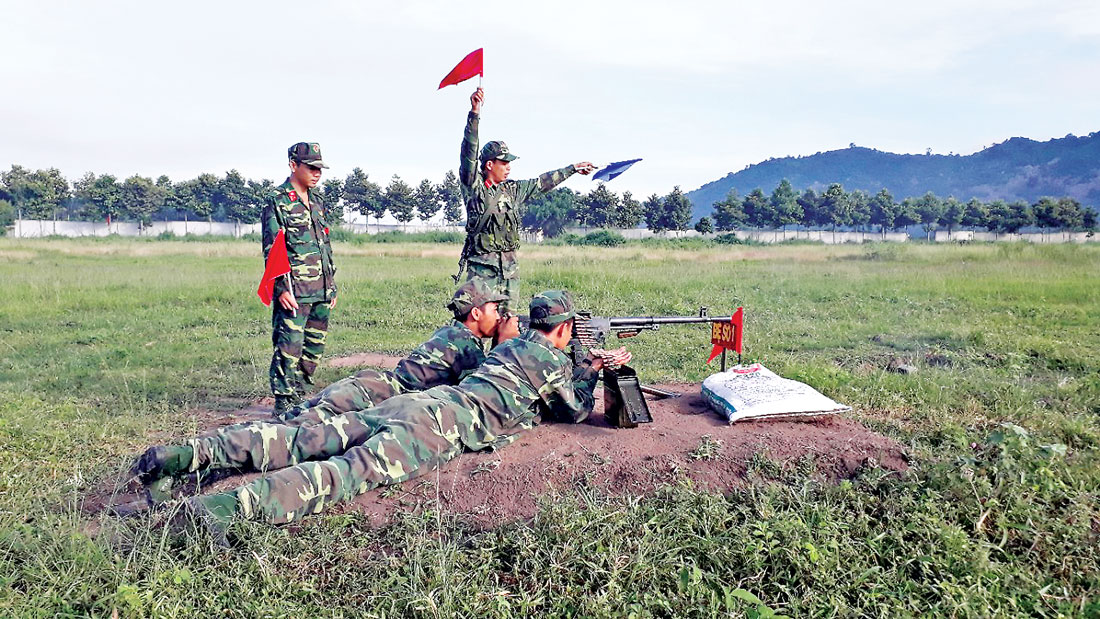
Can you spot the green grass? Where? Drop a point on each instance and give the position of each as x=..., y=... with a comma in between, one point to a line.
x=105, y=344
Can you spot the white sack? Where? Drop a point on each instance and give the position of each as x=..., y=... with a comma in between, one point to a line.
x=755, y=392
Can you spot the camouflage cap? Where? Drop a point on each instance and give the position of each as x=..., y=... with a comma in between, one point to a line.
x=551, y=307
x=308, y=153
x=474, y=293
x=497, y=150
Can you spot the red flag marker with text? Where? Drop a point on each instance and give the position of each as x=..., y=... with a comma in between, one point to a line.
x=278, y=265
x=470, y=66
x=727, y=336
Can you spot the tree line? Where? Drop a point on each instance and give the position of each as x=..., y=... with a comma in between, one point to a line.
x=859, y=210
x=46, y=194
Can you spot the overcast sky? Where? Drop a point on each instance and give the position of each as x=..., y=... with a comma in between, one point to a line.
x=697, y=91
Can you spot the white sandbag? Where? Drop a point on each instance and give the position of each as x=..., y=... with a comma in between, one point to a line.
x=755, y=392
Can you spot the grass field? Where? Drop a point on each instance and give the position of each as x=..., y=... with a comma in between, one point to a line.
x=105, y=343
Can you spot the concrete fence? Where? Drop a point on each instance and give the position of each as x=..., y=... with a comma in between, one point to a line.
x=29, y=228
x=25, y=228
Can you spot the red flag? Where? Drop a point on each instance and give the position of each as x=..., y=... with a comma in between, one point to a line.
x=278, y=264
x=727, y=335
x=470, y=66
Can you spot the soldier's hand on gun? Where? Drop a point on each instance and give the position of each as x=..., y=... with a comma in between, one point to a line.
x=476, y=100
x=610, y=359
x=288, y=301
x=584, y=167
x=507, y=328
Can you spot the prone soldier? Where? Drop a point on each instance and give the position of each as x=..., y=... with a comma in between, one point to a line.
x=494, y=205
x=300, y=314
x=523, y=380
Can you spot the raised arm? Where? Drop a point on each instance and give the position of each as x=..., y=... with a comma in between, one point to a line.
x=467, y=164
x=548, y=180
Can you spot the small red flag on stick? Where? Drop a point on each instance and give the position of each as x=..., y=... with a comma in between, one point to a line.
x=727, y=335
x=470, y=66
x=278, y=264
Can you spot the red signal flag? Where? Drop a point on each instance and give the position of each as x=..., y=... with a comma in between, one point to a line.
x=278, y=265
x=470, y=66
x=727, y=335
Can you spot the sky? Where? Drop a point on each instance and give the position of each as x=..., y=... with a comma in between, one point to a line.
x=696, y=89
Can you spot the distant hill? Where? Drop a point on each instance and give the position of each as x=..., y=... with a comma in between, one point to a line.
x=1018, y=168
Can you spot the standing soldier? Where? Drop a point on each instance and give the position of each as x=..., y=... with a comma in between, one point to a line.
x=493, y=206
x=300, y=313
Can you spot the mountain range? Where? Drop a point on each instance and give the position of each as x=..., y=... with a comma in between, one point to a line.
x=1018, y=168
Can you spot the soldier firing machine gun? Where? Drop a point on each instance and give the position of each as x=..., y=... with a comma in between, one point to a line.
x=624, y=402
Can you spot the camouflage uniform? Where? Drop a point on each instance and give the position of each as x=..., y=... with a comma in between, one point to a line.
x=298, y=337
x=493, y=212
x=523, y=380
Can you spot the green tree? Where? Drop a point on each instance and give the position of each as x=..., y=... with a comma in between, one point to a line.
x=451, y=196
x=98, y=196
x=907, y=213
x=600, y=206
x=7, y=216
x=784, y=203
x=332, y=194
x=728, y=213
x=427, y=200
x=835, y=204
x=139, y=198
x=257, y=196
x=1068, y=213
x=164, y=187
x=930, y=208
x=758, y=210
x=975, y=214
x=551, y=213
x=704, y=226
x=37, y=195
x=813, y=216
x=630, y=212
x=953, y=213
x=677, y=210
x=859, y=209
x=363, y=195
x=1088, y=220
x=204, y=190
x=400, y=200
x=232, y=199
x=654, y=210
x=884, y=210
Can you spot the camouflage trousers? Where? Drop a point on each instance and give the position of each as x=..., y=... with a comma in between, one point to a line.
x=298, y=339
x=364, y=390
x=342, y=456
x=500, y=270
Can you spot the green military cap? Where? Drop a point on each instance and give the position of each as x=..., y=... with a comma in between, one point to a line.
x=551, y=307
x=308, y=153
x=497, y=150
x=474, y=293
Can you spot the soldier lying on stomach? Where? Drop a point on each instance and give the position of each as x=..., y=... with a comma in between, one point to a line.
x=314, y=466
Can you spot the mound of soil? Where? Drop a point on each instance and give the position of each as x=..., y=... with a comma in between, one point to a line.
x=686, y=440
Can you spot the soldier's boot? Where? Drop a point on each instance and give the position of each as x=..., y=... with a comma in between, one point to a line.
x=214, y=513
x=162, y=461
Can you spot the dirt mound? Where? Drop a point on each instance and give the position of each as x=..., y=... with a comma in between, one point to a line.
x=686, y=440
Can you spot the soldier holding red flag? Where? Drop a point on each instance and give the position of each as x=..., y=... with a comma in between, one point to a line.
x=302, y=299
x=494, y=205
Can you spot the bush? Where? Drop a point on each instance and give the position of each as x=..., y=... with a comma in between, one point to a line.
x=601, y=238
x=729, y=239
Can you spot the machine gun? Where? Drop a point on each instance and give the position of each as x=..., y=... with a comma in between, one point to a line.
x=624, y=404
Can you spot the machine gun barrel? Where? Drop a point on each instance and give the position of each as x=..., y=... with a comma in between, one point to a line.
x=629, y=321
x=592, y=331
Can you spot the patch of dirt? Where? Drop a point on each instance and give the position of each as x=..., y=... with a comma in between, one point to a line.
x=493, y=488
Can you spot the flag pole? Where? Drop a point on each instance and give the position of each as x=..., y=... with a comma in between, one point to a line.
x=290, y=289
